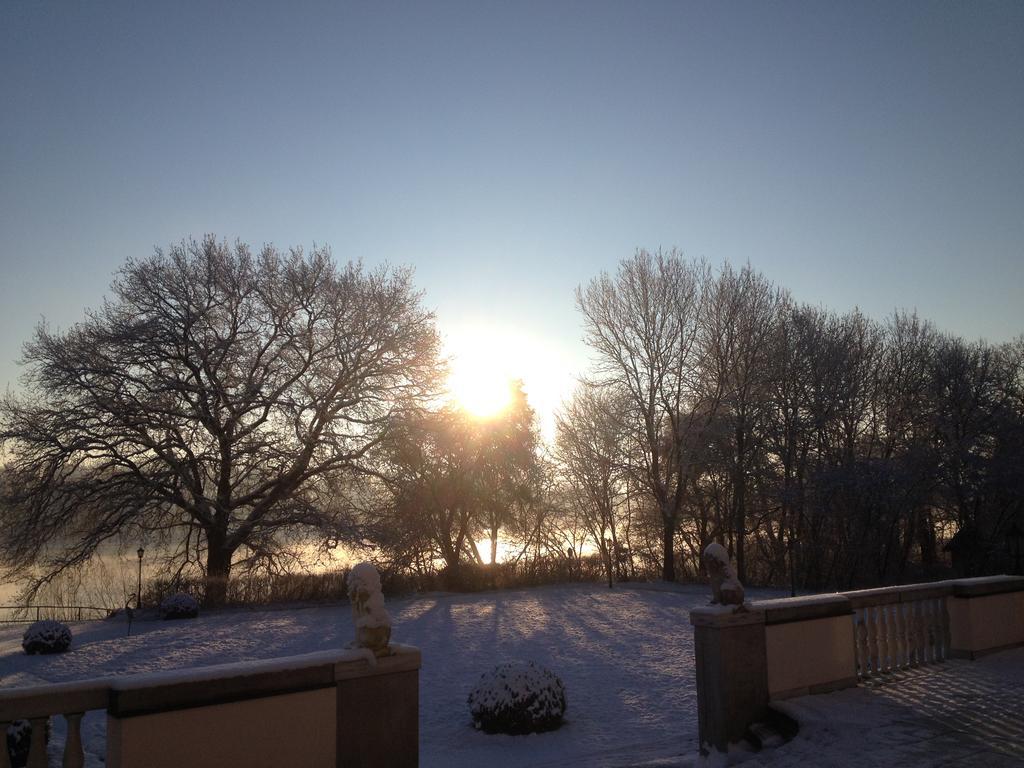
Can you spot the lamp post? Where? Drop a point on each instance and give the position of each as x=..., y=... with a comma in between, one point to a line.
x=138, y=592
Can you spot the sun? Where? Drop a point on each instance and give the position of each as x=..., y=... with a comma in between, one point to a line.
x=480, y=378
x=478, y=387
x=487, y=361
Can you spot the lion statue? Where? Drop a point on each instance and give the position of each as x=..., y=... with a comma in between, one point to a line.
x=725, y=587
x=371, y=619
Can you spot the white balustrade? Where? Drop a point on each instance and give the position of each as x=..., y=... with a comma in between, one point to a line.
x=38, y=705
x=894, y=631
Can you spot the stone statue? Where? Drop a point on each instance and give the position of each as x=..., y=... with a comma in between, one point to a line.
x=725, y=587
x=373, y=625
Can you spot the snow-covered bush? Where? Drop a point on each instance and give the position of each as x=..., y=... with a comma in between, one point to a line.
x=517, y=697
x=179, y=606
x=46, y=637
x=19, y=740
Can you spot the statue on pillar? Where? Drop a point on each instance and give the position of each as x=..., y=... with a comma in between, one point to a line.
x=371, y=619
x=725, y=587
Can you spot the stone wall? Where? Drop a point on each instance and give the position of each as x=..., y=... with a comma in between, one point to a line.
x=775, y=649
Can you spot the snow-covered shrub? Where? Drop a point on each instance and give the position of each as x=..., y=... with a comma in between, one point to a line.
x=179, y=606
x=19, y=741
x=46, y=637
x=517, y=697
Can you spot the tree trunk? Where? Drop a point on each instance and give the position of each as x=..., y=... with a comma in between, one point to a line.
x=218, y=570
x=668, y=569
x=616, y=560
x=606, y=558
x=740, y=511
x=740, y=525
x=926, y=534
x=792, y=562
x=494, y=557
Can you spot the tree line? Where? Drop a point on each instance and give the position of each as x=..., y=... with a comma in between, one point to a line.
x=240, y=408
x=826, y=450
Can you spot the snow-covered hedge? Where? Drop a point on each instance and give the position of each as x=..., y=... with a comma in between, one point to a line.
x=179, y=606
x=518, y=697
x=46, y=637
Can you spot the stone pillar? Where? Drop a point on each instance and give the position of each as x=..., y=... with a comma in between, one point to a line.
x=986, y=615
x=732, y=678
x=378, y=712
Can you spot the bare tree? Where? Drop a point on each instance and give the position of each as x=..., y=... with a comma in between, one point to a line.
x=742, y=320
x=590, y=447
x=645, y=326
x=215, y=394
x=455, y=479
x=510, y=473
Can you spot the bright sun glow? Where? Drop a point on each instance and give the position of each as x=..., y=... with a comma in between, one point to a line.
x=479, y=387
x=486, y=359
x=506, y=551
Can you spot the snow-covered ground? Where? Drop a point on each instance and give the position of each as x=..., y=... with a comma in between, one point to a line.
x=625, y=655
x=958, y=713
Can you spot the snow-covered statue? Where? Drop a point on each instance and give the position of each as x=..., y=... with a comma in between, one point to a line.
x=725, y=587
x=373, y=625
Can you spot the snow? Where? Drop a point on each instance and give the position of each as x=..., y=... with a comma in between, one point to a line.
x=957, y=713
x=625, y=656
x=238, y=669
x=828, y=598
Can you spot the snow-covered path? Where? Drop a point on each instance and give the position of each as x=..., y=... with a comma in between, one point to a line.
x=625, y=655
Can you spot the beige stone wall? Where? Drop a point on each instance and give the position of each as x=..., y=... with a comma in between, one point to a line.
x=810, y=656
x=295, y=729
x=987, y=623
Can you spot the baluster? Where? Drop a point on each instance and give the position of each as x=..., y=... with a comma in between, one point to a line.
x=74, y=756
x=908, y=620
x=884, y=660
x=894, y=645
x=871, y=624
x=5, y=760
x=922, y=623
x=900, y=635
x=894, y=637
x=862, y=647
x=944, y=616
x=911, y=620
x=925, y=623
x=922, y=640
x=37, y=749
x=905, y=633
x=933, y=631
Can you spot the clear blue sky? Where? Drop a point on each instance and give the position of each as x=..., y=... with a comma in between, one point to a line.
x=867, y=154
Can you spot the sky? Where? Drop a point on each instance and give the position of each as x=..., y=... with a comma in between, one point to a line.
x=859, y=154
